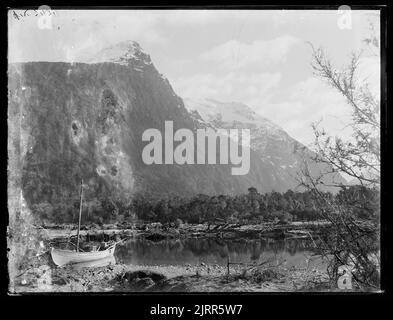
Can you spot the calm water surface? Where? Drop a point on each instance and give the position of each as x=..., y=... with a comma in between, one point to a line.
x=296, y=252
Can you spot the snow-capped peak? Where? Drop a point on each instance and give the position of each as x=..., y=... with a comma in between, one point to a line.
x=210, y=110
x=125, y=53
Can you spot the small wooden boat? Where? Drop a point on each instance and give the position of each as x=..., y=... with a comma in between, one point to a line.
x=62, y=257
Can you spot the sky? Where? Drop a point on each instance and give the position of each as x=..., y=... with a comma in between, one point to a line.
x=257, y=57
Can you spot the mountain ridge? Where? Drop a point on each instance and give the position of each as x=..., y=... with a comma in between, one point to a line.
x=270, y=141
x=85, y=120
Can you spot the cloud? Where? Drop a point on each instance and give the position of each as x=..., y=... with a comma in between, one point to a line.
x=201, y=17
x=294, y=109
x=239, y=87
x=369, y=71
x=81, y=32
x=260, y=53
x=204, y=54
x=309, y=101
x=272, y=18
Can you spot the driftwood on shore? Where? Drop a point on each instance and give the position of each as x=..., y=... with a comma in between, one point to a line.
x=158, y=232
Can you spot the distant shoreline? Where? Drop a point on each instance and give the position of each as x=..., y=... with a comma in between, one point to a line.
x=157, y=231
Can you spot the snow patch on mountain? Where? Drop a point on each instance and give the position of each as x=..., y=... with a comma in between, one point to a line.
x=232, y=112
x=281, y=154
x=124, y=53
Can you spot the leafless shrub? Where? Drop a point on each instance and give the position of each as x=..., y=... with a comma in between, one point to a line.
x=352, y=241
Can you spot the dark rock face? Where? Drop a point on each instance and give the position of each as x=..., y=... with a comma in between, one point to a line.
x=73, y=126
x=137, y=281
x=86, y=121
x=142, y=274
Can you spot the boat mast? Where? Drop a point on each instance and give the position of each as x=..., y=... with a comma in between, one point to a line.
x=80, y=216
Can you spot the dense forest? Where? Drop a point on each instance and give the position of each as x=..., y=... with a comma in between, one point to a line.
x=252, y=207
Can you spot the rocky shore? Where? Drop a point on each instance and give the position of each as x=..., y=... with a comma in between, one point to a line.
x=189, y=278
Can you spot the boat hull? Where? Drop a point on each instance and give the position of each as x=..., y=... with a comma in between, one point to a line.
x=66, y=257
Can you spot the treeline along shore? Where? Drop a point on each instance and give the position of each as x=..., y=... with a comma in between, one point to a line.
x=252, y=215
x=250, y=208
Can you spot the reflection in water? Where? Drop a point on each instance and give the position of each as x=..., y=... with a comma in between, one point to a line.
x=215, y=251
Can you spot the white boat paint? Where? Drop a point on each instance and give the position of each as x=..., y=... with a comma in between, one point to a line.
x=62, y=257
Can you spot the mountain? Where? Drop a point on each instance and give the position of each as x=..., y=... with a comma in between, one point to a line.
x=280, y=153
x=127, y=53
x=69, y=121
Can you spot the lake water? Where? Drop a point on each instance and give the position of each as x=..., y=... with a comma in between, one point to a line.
x=295, y=252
